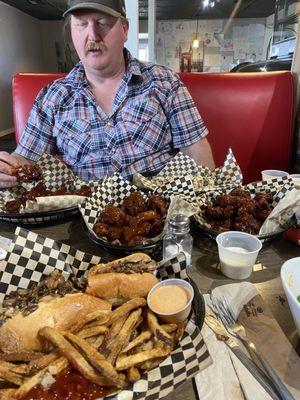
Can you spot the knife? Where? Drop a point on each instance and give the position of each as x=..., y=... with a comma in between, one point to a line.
x=222, y=335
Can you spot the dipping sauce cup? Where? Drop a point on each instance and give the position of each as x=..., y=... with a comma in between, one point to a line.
x=237, y=252
x=269, y=174
x=171, y=300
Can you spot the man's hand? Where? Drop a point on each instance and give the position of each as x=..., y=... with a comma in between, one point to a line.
x=201, y=153
x=7, y=163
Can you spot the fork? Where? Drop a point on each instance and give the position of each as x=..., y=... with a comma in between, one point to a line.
x=236, y=329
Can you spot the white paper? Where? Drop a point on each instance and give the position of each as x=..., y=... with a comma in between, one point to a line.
x=227, y=378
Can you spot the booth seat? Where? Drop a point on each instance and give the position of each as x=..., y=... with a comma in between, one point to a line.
x=25, y=88
x=253, y=113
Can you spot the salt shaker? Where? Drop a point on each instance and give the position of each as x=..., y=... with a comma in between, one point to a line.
x=178, y=238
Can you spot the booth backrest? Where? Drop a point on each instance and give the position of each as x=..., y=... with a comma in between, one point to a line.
x=25, y=87
x=253, y=113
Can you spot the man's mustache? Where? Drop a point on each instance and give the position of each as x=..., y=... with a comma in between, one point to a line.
x=96, y=46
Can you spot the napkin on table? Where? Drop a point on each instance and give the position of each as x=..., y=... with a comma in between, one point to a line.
x=227, y=378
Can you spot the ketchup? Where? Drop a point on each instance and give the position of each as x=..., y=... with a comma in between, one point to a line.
x=69, y=385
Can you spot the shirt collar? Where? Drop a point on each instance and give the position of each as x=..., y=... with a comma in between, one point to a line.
x=77, y=79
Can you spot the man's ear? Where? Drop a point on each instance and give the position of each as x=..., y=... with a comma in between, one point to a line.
x=125, y=25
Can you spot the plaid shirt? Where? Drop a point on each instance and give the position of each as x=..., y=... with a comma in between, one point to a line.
x=153, y=115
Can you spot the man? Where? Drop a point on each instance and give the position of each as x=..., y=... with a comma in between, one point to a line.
x=111, y=112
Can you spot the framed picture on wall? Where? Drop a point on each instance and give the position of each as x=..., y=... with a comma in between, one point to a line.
x=186, y=62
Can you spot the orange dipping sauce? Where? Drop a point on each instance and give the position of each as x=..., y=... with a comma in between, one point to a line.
x=69, y=385
x=169, y=299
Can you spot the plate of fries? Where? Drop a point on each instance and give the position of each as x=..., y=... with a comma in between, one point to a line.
x=110, y=352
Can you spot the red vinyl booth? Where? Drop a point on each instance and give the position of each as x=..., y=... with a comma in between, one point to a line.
x=25, y=88
x=252, y=113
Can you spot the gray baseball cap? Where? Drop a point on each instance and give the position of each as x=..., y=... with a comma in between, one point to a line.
x=116, y=8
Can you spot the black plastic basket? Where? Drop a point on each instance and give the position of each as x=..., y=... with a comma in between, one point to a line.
x=40, y=218
x=213, y=234
x=154, y=249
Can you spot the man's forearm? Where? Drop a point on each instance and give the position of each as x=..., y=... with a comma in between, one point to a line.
x=201, y=153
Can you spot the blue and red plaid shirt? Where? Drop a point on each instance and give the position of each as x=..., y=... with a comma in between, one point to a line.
x=153, y=116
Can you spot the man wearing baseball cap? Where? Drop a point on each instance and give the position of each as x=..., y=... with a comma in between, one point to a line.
x=112, y=112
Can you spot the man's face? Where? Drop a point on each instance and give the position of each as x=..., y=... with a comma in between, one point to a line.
x=98, y=38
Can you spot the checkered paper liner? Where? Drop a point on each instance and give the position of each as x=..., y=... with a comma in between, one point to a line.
x=183, y=166
x=115, y=188
x=32, y=257
x=277, y=187
x=55, y=175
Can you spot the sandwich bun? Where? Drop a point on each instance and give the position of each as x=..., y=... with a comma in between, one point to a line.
x=117, y=287
x=21, y=333
x=122, y=279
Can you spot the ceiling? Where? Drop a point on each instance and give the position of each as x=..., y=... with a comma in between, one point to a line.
x=166, y=9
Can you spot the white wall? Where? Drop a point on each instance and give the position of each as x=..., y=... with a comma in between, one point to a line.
x=20, y=51
x=243, y=41
x=51, y=32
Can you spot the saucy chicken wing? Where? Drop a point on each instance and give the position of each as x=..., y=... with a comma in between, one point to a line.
x=238, y=211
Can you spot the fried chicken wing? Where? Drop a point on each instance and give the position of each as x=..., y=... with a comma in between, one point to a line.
x=114, y=233
x=247, y=223
x=112, y=215
x=212, y=213
x=238, y=211
x=134, y=204
x=226, y=200
x=222, y=226
x=85, y=191
x=131, y=223
x=145, y=216
x=101, y=229
x=136, y=230
x=136, y=241
x=158, y=204
x=239, y=192
x=157, y=227
x=14, y=206
x=262, y=214
x=38, y=190
x=28, y=173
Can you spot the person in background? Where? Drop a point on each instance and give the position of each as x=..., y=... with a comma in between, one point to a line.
x=111, y=113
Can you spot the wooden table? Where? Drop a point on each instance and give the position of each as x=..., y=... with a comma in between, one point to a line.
x=205, y=273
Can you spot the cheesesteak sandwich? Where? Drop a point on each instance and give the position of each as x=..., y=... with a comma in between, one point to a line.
x=55, y=303
x=123, y=279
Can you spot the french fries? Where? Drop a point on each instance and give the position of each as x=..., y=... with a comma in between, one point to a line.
x=135, y=359
x=157, y=330
x=109, y=348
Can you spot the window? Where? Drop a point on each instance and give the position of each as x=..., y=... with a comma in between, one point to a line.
x=143, y=47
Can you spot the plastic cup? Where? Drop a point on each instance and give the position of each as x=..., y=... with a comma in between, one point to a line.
x=237, y=252
x=269, y=174
x=179, y=315
x=296, y=180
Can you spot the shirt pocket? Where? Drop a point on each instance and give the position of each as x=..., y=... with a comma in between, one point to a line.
x=146, y=126
x=74, y=139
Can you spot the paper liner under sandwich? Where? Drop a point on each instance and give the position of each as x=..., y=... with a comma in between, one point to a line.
x=32, y=257
x=55, y=175
x=183, y=166
x=115, y=188
x=278, y=188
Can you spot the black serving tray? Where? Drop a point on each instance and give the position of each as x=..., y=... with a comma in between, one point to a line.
x=154, y=249
x=213, y=234
x=40, y=218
